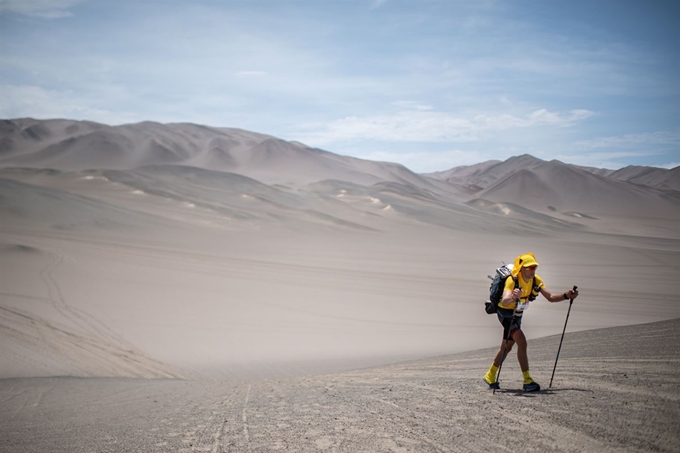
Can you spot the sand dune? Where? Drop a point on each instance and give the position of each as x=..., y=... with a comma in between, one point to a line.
x=38, y=207
x=215, y=253
x=655, y=177
x=614, y=390
x=486, y=174
x=553, y=186
x=74, y=146
x=219, y=276
x=523, y=180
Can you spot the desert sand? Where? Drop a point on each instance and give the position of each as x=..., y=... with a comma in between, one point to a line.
x=185, y=288
x=615, y=390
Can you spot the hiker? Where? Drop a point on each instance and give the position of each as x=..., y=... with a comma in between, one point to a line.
x=519, y=290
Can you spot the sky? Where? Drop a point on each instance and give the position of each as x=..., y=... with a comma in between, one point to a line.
x=431, y=84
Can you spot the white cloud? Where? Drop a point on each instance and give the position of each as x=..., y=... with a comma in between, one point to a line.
x=408, y=126
x=610, y=160
x=623, y=141
x=48, y=9
x=426, y=161
x=31, y=101
x=431, y=126
x=538, y=117
x=670, y=165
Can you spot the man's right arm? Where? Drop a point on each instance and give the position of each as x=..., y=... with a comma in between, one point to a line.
x=508, y=298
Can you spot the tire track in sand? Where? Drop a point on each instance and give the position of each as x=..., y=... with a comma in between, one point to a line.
x=74, y=341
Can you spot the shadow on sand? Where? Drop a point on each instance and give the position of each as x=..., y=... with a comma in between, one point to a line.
x=549, y=391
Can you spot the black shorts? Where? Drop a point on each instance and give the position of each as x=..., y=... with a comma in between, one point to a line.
x=509, y=321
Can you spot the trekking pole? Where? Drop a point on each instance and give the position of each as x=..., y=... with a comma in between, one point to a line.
x=571, y=301
x=500, y=367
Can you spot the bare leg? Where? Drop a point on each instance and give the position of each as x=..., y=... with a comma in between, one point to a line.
x=522, y=356
x=499, y=355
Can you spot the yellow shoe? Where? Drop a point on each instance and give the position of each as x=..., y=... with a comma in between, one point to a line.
x=491, y=377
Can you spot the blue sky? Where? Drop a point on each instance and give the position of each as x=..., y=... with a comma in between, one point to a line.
x=431, y=84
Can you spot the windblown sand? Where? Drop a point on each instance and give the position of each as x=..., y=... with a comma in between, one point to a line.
x=250, y=305
x=250, y=345
x=615, y=389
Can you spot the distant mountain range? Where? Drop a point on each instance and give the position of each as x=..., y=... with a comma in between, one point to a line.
x=480, y=176
x=557, y=186
x=81, y=145
x=205, y=166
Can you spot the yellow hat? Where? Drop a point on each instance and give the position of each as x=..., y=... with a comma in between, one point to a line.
x=526, y=260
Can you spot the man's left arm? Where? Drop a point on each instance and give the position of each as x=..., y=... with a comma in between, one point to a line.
x=570, y=294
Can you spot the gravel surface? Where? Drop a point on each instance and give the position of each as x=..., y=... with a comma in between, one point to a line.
x=615, y=389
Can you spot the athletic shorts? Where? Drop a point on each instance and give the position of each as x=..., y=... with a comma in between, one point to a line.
x=509, y=321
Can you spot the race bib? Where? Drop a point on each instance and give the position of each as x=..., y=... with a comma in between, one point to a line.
x=522, y=306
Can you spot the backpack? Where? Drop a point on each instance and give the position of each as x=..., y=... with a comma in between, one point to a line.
x=498, y=285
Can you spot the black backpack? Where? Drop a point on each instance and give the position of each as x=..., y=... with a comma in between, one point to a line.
x=498, y=285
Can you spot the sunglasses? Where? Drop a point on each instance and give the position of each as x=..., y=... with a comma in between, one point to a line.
x=533, y=268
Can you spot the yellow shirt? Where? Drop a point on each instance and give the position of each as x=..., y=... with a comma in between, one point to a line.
x=525, y=287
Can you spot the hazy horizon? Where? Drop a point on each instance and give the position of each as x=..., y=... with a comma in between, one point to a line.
x=431, y=84
x=442, y=170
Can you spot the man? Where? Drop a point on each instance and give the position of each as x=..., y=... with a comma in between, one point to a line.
x=519, y=290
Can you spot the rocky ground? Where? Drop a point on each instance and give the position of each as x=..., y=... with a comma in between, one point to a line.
x=615, y=389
